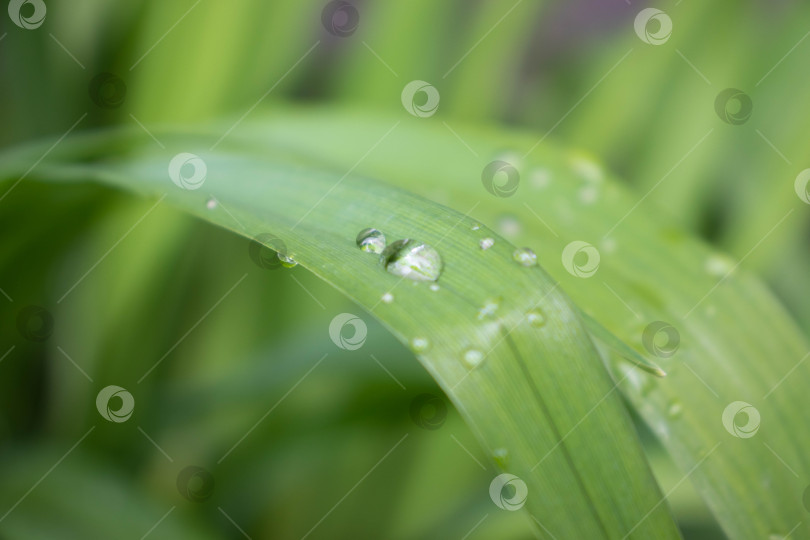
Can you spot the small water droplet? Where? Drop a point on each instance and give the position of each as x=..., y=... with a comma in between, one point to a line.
x=434, y=287
x=486, y=243
x=525, y=256
x=473, y=357
x=211, y=203
x=476, y=227
x=536, y=318
x=501, y=457
x=719, y=265
x=371, y=241
x=287, y=261
x=387, y=298
x=413, y=260
x=675, y=409
x=489, y=308
x=420, y=344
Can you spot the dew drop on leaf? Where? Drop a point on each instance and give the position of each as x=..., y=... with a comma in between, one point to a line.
x=472, y=357
x=486, y=243
x=412, y=260
x=387, y=298
x=420, y=344
x=536, y=318
x=371, y=241
x=489, y=308
x=287, y=262
x=211, y=203
x=525, y=257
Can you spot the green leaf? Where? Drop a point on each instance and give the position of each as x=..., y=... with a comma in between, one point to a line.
x=539, y=398
x=736, y=342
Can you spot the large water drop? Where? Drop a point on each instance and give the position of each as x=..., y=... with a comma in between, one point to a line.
x=413, y=260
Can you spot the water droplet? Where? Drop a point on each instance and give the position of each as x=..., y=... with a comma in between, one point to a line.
x=719, y=265
x=286, y=261
x=387, y=298
x=473, y=357
x=211, y=203
x=434, y=287
x=413, y=260
x=371, y=241
x=525, y=256
x=476, y=227
x=535, y=318
x=486, y=243
x=489, y=308
x=675, y=409
x=501, y=457
x=420, y=344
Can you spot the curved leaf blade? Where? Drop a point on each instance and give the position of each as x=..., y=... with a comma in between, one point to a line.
x=540, y=400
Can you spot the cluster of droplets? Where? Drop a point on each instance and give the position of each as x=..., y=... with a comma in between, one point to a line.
x=418, y=261
x=406, y=258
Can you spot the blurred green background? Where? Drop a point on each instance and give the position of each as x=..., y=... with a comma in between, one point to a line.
x=283, y=448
